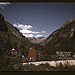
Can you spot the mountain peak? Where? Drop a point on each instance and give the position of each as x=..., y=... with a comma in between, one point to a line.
x=68, y=21
x=3, y=25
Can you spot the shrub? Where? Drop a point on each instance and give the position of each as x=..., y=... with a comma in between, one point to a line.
x=29, y=67
x=65, y=67
x=50, y=58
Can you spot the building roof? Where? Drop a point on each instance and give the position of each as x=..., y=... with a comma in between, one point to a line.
x=13, y=49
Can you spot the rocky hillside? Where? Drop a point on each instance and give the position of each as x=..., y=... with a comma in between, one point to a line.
x=10, y=37
x=36, y=40
x=3, y=25
x=63, y=39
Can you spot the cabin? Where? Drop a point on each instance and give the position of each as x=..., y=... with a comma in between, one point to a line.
x=64, y=54
x=13, y=52
x=32, y=56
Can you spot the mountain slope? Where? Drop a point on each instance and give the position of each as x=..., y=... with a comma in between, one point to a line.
x=3, y=26
x=10, y=37
x=63, y=39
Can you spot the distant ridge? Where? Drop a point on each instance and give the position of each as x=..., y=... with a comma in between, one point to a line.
x=36, y=40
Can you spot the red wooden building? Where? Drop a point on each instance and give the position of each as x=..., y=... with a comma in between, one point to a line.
x=32, y=54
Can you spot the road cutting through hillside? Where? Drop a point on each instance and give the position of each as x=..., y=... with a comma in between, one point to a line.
x=52, y=63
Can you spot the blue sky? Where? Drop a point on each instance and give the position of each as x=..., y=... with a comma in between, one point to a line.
x=37, y=19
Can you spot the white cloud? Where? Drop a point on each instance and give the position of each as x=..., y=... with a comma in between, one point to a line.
x=26, y=30
x=39, y=35
x=28, y=35
x=3, y=4
x=21, y=26
x=43, y=32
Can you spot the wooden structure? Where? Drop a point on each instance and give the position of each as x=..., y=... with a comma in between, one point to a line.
x=32, y=54
x=13, y=52
x=64, y=54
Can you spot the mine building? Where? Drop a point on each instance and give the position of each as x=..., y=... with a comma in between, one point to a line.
x=64, y=54
x=32, y=54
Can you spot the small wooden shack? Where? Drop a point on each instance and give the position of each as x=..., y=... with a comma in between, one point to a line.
x=13, y=52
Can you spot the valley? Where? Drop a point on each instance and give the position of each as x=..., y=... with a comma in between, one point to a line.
x=15, y=48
